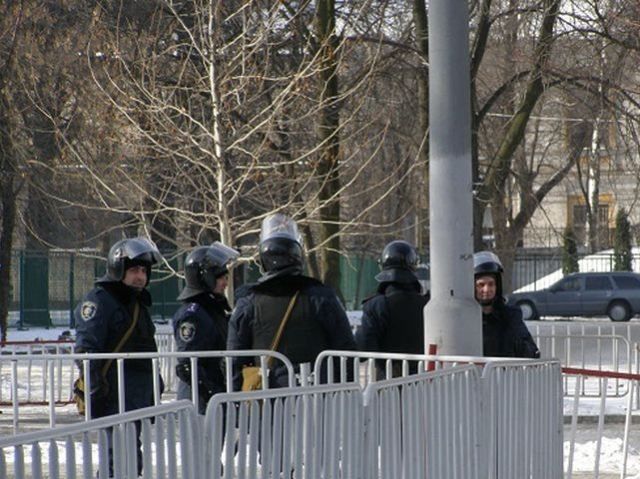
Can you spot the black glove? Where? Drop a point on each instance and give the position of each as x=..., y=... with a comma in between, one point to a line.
x=183, y=371
x=99, y=393
x=206, y=389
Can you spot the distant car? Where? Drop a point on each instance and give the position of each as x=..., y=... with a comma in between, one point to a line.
x=615, y=294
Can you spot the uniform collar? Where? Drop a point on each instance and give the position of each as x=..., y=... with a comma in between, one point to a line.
x=126, y=294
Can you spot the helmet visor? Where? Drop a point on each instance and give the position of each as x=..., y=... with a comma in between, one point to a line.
x=135, y=247
x=279, y=226
x=422, y=272
x=486, y=261
x=221, y=254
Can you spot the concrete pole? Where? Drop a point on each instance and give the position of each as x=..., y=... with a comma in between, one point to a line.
x=453, y=319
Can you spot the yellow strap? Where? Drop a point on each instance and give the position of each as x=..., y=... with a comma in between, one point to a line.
x=125, y=337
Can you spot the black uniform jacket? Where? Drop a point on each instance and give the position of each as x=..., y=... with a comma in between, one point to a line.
x=317, y=322
x=504, y=334
x=102, y=319
x=201, y=324
x=393, y=321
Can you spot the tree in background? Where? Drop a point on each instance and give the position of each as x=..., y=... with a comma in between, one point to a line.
x=10, y=158
x=192, y=120
x=228, y=112
x=622, y=256
x=570, y=253
x=527, y=67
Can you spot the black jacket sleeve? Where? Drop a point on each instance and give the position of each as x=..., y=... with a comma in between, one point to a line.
x=240, y=336
x=524, y=345
x=372, y=327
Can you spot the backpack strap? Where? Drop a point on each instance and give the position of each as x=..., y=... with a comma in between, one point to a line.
x=124, y=339
x=283, y=323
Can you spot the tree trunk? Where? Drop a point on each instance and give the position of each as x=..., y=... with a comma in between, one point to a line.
x=422, y=43
x=8, y=193
x=329, y=141
x=6, y=243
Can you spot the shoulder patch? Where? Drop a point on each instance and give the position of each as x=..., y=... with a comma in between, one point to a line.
x=192, y=308
x=187, y=331
x=88, y=310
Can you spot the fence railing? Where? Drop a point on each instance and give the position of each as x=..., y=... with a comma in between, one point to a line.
x=431, y=424
x=517, y=397
x=169, y=437
x=52, y=385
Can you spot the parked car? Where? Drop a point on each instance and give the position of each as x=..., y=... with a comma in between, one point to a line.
x=615, y=294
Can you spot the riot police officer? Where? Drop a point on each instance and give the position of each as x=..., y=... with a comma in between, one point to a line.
x=317, y=321
x=201, y=323
x=115, y=315
x=392, y=319
x=504, y=333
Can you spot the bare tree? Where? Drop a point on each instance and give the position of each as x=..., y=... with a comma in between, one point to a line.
x=509, y=95
x=10, y=155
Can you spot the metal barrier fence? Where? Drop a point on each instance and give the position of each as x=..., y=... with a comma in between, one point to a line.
x=430, y=424
x=523, y=404
x=580, y=407
x=425, y=425
x=169, y=439
x=312, y=432
x=569, y=343
x=601, y=353
x=35, y=372
x=59, y=371
x=574, y=381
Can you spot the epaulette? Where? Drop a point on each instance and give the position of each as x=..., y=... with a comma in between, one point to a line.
x=190, y=310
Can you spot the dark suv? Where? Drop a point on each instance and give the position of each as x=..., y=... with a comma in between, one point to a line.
x=616, y=294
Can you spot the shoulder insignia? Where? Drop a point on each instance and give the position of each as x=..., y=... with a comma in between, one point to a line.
x=187, y=331
x=192, y=308
x=88, y=310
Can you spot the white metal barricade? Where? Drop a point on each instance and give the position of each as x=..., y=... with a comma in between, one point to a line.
x=511, y=387
x=425, y=425
x=440, y=423
x=169, y=446
x=308, y=432
x=34, y=373
x=55, y=380
x=594, y=412
x=602, y=353
x=167, y=344
x=340, y=365
x=522, y=407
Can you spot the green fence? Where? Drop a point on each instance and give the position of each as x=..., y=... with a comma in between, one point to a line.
x=46, y=286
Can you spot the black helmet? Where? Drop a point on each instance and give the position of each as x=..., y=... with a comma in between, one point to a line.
x=127, y=253
x=398, y=261
x=203, y=266
x=488, y=263
x=280, y=244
